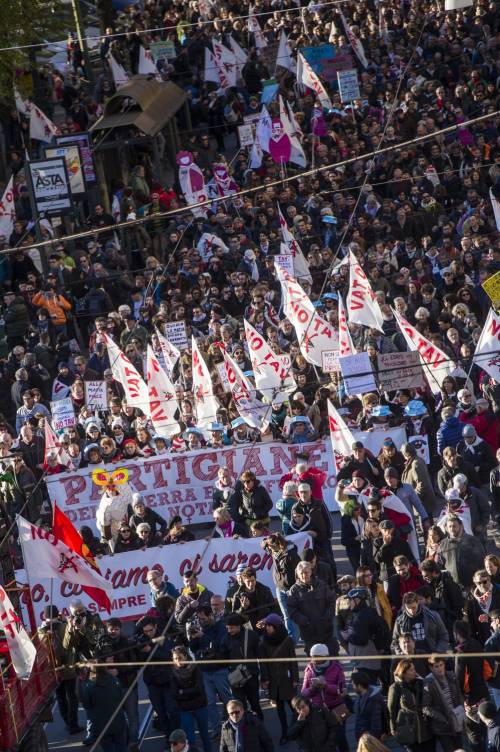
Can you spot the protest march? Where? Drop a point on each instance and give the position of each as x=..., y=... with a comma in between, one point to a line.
x=250, y=376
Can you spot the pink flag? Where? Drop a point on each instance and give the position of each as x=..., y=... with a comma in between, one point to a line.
x=192, y=182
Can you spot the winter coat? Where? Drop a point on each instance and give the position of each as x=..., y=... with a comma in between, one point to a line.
x=255, y=736
x=417, y=475
x=262, y=603
x=311, y=607
x=186, y=605
x=462, y=557
x=331, y=693
x=439, y=714
x=436, y=633
x=16, y=318
x=446, y=474
x=153, y=519
x=348, y=535
x=449, y=433
x=209, y=645
x=369, y=713
x=384, y=554
x=448, y=600
x=154, y=675
x=405, y=701
x=492, y=645
x=480, y=630
x=188, y=688
x=487, y=425
x=365, y=626
x=397, y=586
x=480, y=456
x=313, y=476
x=258, y=507
x=284, y=564
x=222, y=497
x=479, y=509
x=283, y=676
x=233, y=646
x=284, y=509
x=100, y=698
x=317, y=733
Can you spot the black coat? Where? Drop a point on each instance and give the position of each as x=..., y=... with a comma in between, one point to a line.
x=316, y=733
x=348, y=535
x=255, y=736
x=384, y=554
x=439, y=714
x=448, y=600
x=311, y=607
x=258, y=507
x=232, y=647
x=188, y=688
x=262, y=603
x=405, y=702
x=284, y=564
x=464, y=664
x=282, y=676
x=480, y=630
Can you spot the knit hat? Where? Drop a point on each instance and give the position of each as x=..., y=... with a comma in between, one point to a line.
x=319, y=650
x=488, y=709
x=274, y=620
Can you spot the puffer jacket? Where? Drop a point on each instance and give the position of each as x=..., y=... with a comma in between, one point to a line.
x=16, y=318
x=331, y=693
x=258, y=507
x=405, y=702
x=449, y=433
x=188, y=688
x=462, y=557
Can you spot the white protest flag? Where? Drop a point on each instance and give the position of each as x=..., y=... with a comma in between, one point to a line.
x=170, y=352
x=346, y=345
x=239, y=53
x=293, y=120
x=47, y=557
x=313, y=333
x=297, y=154
x=354, y=42
x=7, y=210
x=146, y=62
x=263, y=130
x=340, y=435
x=495, y=205
x=284, y=57
x=300, y=265
x=272, y=376
x=256, y=155
x=52, y=444
x=436, y=364
x=487, y=354
x=120, y=75
x=60, y=390
x=226, y=64
x=254, y=28
x=211, y=69
x=362, y=306
x=21, y=650
x=252, y=410
x=163, y=403
x=22, y=105
x=136, y=391
x=306, y=76
x=457, y=4
x=207, y=242
x=41, y=128
x=206, y=403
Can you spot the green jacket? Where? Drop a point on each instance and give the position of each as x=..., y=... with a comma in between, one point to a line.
x=16, y=318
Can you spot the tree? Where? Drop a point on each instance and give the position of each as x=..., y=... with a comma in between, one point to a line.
x=24, y=23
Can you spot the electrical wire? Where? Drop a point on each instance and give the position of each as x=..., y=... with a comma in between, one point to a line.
x=253, y=189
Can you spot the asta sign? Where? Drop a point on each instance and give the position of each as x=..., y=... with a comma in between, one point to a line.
x=50, y=185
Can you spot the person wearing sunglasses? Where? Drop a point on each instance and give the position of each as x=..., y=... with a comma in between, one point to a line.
x=482, y=600
x=239, y=721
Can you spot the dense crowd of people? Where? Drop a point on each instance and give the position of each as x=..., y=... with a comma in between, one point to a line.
x=418, y=613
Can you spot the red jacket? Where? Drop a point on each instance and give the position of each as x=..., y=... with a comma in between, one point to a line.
x=486, y=426
x=314, y=476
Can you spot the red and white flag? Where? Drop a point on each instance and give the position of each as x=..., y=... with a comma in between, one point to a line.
x=41, y=128
x=227, y=65
x=163, y=403
x=340, y=435
x=313, y=333
x=254, y=28
x=240, y=54
x=60, y=390
x=23, y=106
x=355, y=43
x=346, y=345
x=252, y=410
x=53, y=445
x=284, y=57
x=210, y=68
x=21, y=650
x=297, y=154
x=120, y=75
x=362, y=306
x=63, y=528
x=136, y=391
x=300, y=265
x=146, y=62
x=272, y=373
x=206, y=402
x=487, y=354
x=170, y=353
x=47, y=557
x=7, y=210
x=306, y=76
x=437, y=365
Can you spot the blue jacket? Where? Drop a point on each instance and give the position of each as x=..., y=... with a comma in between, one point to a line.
x=369, y=713
x=209, y=645
x=449, y=433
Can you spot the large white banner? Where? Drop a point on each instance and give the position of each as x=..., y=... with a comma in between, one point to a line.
x=183, y=483
x=127, y=573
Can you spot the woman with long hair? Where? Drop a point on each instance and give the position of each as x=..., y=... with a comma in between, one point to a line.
x=189, y=693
